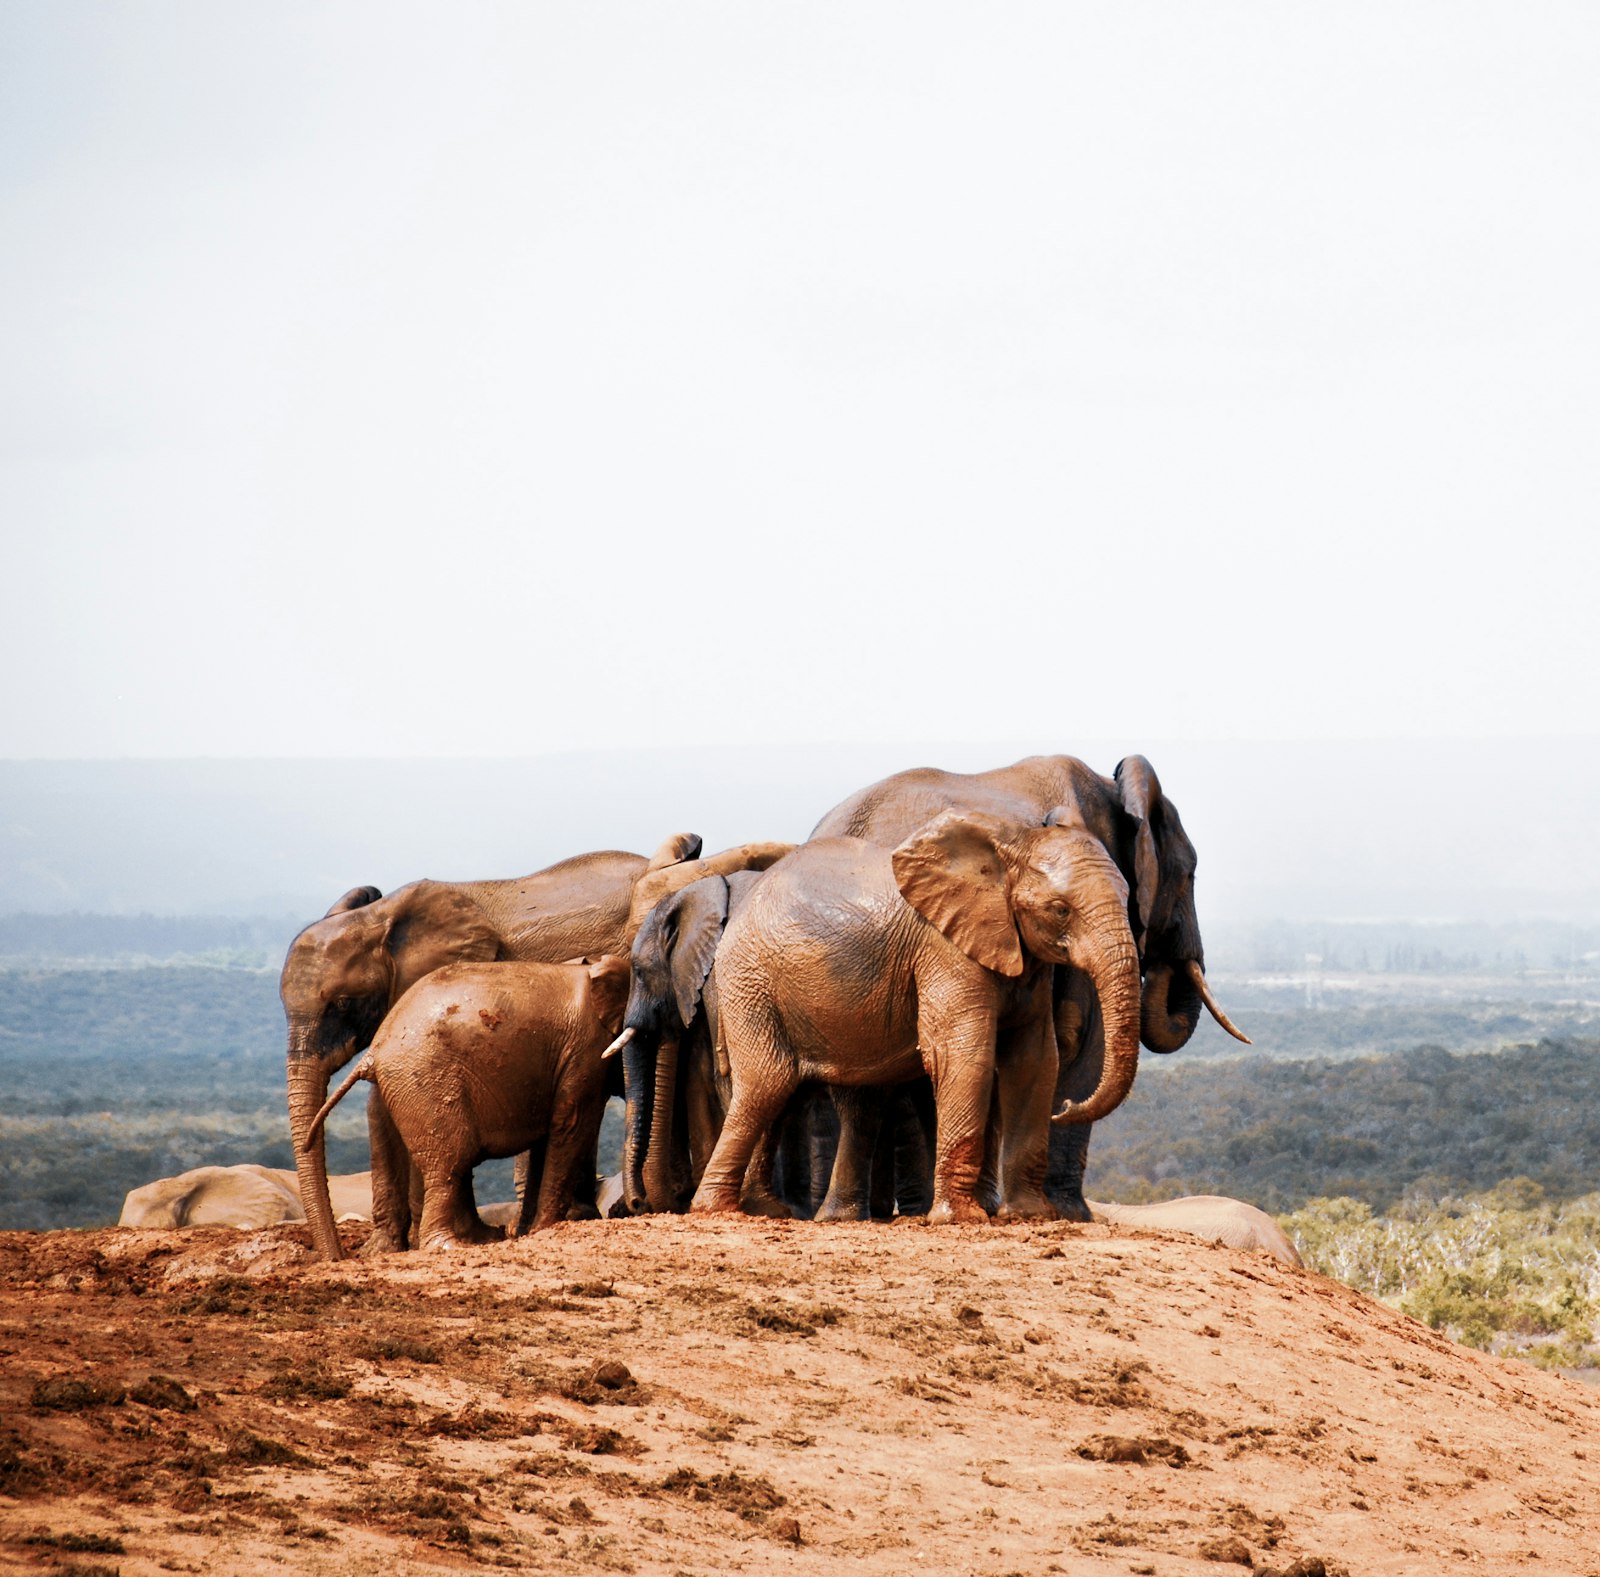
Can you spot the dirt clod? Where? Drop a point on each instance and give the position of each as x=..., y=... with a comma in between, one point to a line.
x=1126, y=1448
x=70, y=1396
x=163, y=1392
x=1231, y=1551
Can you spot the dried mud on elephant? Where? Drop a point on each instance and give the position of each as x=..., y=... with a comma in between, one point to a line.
x=664, y=1395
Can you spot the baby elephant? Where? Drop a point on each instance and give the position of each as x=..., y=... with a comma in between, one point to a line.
x=480, y=1061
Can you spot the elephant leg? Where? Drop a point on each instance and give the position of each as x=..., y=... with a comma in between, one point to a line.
x=569, y=1153
x=824, y=1133
x=447, y=1204
x=704, y=1116
x=757, y=1104
x=467, y=1225
x=988, y=1192
x=760, y=1198
x=531, y=1163
x=958, y=1052
x=794, y=1147
x=1077, y=1078
x=391, y=1182
x=860, y=1122
x=880, y=1196
x=914, y=1132
x=1025, y=1077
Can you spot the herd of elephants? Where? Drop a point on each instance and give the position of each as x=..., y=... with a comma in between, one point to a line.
x=919, y=1010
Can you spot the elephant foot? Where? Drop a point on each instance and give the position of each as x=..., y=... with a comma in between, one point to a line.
x=715, y=1202
x=832, y=1209
x=382, y=1242
x=475, y=1231
x=758, y=1202
x=583, y=1212
x=957, y=1210
x=1071, y=1207
x=1031, y=1206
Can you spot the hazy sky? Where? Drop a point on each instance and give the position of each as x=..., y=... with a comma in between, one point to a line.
x=484, y=379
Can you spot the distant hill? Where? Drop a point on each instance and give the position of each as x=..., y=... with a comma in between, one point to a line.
x=1477, y=832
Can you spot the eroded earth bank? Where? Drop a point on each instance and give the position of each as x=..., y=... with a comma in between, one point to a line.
x=666, y=1395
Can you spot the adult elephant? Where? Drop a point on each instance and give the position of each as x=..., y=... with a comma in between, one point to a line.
x=236, y=1196
x=1140, y=828
x=854, y=966
x=344, y=972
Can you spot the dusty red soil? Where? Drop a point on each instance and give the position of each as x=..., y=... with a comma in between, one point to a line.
x=688, y=1396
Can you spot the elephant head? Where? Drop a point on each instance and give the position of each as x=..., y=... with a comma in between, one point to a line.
x=1163, y=861
x=999, y=890
x=341, y=976
x=672, y=955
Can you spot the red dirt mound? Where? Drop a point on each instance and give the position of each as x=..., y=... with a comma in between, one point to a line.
x=669, y=1395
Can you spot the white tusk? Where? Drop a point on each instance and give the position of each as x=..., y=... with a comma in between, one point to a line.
x=617, y=1045
x=1198, y=976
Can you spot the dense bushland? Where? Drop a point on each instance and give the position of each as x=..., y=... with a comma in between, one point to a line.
x=1507, y=1270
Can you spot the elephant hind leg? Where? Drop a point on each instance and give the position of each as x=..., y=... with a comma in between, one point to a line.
x=447, y=1205
x=850, y=1186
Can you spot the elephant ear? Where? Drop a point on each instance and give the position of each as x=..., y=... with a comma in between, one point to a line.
x=679, y=847
x=435, y=924
x=701, y=917
x=356, y=898
x=1141, y=798
x=609, y=977
x=952, y=872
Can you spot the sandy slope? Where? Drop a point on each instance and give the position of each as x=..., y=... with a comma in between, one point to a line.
x=672, y=1395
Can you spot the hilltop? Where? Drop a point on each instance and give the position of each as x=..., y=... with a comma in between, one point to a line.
x=666, y=1395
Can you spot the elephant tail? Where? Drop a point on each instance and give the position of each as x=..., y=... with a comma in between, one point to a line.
x=362, y=1070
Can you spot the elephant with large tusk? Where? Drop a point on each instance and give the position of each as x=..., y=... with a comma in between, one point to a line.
x=1139, y=827
x=344, y=972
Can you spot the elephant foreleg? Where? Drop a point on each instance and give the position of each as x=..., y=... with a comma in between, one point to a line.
x=1081, y=1061
x=1025, y=1081
x=958, y=1052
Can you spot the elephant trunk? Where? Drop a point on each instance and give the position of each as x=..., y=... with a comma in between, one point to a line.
x=658, y=1168
x=1170, y=1008
x=1112, y=963
x=308, y=1085
x=638, y=1072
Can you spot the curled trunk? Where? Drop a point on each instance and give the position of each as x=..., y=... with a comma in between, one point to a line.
x=308, y=1087
x=1169, y=1010
x=1112, y=963
x=658, y=1169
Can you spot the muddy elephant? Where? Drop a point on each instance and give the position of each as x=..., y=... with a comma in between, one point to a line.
x=677, y=1092
x=344, y=972
x=481, y=1061
x=855, y=965
x=238, y=1196
x=1135, y=822
x=1213, y=1218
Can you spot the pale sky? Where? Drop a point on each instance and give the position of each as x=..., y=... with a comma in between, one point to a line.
x=490, y=379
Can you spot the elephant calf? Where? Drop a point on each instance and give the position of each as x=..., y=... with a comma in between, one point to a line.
x=480, y=1061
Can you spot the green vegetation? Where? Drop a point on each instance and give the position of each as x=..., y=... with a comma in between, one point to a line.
x=1507, y=1270
x=1420, y=1125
